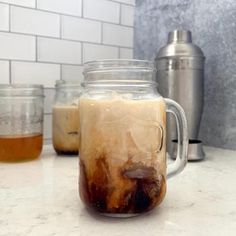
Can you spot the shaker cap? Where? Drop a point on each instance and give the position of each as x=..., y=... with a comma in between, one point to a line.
x=180, y=44
x=179, y=36
x=180, y=53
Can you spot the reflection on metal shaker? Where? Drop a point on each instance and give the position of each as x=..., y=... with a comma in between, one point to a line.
x=180, y=76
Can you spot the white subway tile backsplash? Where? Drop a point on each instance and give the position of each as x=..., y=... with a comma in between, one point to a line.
x=127, y=15
x=59, y=40
x=126, y=53
x=4, y=17
x=47, y=126
x=97, y=52
x=72, y=73
x=31, y=21
x=35, y=73
x=102, y=10
x=4, y=72
x=130, y=2
x=81, y=29
x=15, y=46
x=117, y=35
x=59, y=51
x=71, y=7
x=49, y=99
x=26, y=3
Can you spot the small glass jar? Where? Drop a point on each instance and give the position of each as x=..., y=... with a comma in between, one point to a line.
x=65, y=118
x=21, y=122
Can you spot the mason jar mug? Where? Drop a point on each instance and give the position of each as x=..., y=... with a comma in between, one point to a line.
x=123, y=168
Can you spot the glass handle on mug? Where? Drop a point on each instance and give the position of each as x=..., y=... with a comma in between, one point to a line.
x=182, y=136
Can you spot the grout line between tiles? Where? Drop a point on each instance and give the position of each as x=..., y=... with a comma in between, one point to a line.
x=60, y=26
x=42, y=62
x=120, y=14
x=82, y=8
x=36, y=48
x=65, y=14
x=47, y=140
x=82, y=53
x=9, y=19
x=36, y=6
x=60, y=71
x=10, y=79
x=127, y=4
x=49, y=88
x=66, y=39
x=101, y=33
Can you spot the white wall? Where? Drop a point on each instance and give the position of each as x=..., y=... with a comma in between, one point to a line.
x=42, y=41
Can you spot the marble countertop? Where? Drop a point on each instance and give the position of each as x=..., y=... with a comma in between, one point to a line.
x=41, y=198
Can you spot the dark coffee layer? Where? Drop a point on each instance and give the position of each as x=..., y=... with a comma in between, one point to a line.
x=147, y=189
x=68, y=152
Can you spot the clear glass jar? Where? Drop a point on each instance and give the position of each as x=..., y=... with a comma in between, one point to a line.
x=123, y=166
x=65, y=118
x=21, y=122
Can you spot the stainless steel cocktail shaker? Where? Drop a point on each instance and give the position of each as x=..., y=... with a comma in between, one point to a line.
x=180, y=76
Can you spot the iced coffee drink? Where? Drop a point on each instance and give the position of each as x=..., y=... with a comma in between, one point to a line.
x=66, y=129
x=122, y=154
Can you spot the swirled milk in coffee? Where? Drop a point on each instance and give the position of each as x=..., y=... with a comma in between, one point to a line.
x=66, y=129
x=122, y=154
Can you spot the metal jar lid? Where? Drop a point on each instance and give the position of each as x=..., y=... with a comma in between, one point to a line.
x=180, y=53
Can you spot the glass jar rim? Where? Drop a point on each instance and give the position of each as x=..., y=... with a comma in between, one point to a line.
x=119, y=73
x=119, y=64
x=21, y=90
x=60, y=84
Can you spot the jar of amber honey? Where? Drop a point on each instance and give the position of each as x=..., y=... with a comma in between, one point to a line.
x=21, y=122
